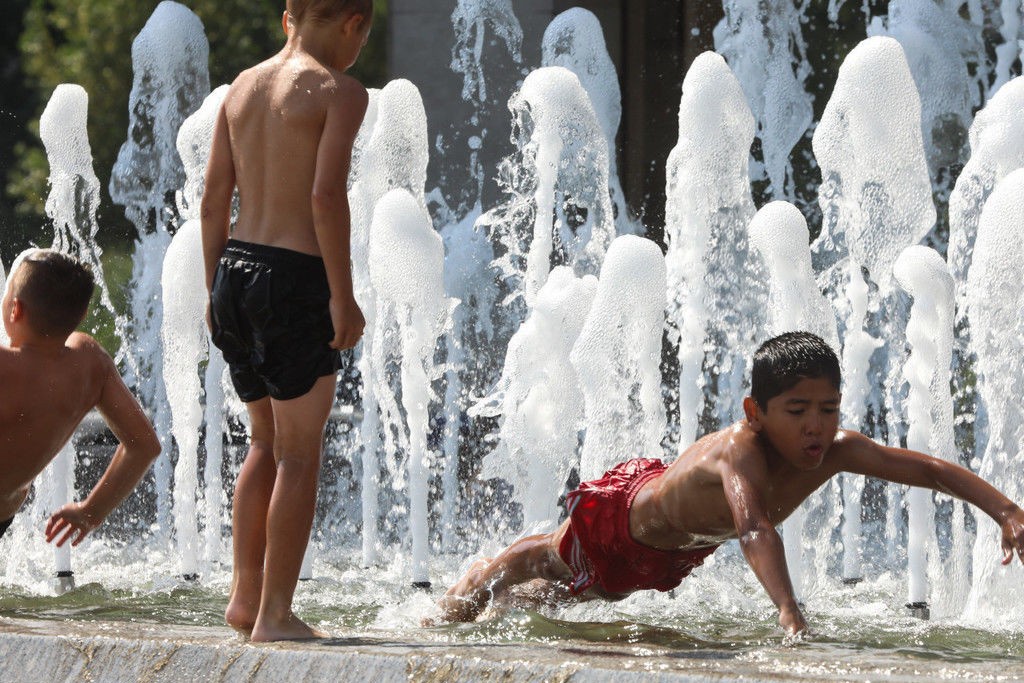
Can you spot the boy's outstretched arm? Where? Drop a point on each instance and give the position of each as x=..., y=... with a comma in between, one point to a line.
x=331, y=218
x=743, y=479
x=137, y=449
x=859, y=454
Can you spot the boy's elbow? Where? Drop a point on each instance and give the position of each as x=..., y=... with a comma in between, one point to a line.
x=148, y=448
x=328, y=200
x=756, y=533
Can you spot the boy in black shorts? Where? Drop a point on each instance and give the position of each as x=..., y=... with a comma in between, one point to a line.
x=281, y=301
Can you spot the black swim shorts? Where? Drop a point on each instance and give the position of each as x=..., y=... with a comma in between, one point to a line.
x=4, y=526
x=270, y=315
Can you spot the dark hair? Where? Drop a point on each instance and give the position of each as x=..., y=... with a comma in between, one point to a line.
x=326, y=10
x=784, y=360
x=55, y=289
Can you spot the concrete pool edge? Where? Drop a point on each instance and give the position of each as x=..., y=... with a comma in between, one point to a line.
x=104, y=651
x=34, y=651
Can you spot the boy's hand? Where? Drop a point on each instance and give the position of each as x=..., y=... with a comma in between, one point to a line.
x=348, y=322
x=72, y=519
x=1013, y=536
x=792, y=621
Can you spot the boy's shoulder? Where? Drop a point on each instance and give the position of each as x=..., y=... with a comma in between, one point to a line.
x=304, y=71
x=86, y=347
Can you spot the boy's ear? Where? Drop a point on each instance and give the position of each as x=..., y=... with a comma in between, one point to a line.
x=284, y=22
x=17, y=310
x=353, y=24
x=753, y=413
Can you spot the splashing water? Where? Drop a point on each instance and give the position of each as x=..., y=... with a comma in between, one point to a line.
x=572, y=364
x=759, y=42
x=715, y=302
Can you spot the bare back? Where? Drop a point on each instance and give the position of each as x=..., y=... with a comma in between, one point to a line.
x=46, y=396
x=688, y=506
x=276, y=113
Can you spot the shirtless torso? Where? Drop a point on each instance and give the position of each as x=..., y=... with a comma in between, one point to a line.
x=48, y=394
x=276, y=111
x=687, y=507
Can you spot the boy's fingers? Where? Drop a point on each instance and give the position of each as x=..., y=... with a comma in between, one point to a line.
x=66, y=536
x=54, y=528
x=82, y=533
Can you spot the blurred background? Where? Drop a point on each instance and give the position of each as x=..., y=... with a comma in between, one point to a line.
x=651, y=42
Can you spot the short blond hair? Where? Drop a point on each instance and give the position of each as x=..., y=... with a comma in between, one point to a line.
x=326, y=10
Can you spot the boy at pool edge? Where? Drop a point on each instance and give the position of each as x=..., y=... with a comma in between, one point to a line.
x=281, y=305
x=645, y=525
x=52, y=377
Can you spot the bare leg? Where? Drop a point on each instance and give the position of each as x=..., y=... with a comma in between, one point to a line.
x=533, y=557
x=298, y=439
x=249, y=519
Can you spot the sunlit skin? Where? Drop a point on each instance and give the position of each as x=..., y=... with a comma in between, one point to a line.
x=284, y=140
x=741, y=483
x=49, y=386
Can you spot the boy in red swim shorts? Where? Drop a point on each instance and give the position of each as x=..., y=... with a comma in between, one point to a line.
x=646, y=526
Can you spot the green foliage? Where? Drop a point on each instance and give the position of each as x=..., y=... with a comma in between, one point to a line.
x=88, y=42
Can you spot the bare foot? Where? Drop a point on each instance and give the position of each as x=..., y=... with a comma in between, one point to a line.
x=243, y=607
x=241, y=615
x=291, y=628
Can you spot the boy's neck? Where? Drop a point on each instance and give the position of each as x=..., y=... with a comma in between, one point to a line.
x=312, y=40
x=37, y=343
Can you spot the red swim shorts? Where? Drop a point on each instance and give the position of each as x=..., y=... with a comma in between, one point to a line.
x=598, y=547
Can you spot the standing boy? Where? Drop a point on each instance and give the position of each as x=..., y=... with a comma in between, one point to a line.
x=281, y=301
x=644, y=525
x=52, y=377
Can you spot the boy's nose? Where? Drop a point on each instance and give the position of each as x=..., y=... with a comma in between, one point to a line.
x=813, y=425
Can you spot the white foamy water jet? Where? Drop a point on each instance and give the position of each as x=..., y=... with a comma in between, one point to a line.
x=195, y=136
x=469, y=278
x=565, y=157
x=539, y=399
x=997, y=148
x=185, y=346
x=574, y=40
x=875, y=195
x=714, y=303
x=1011, y=12
x=922, y=273
x=169, y=62
x=935, y=41
x=75, y=191
x=406, y=258
x=390, y=153
x=361, y=202
x=472, y=19
x=779, y=233
x=994, y=300
x=765, y=50
x=617, y=358
x=876, y=200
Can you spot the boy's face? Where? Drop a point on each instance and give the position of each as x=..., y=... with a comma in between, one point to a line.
x=800, y=423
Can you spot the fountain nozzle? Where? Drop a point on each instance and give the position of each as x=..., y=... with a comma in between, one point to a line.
x=65, y=582
x=919, y=610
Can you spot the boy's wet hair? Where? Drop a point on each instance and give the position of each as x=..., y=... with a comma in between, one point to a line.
x=55, y=289
x=782, y=361
x=326, y=10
